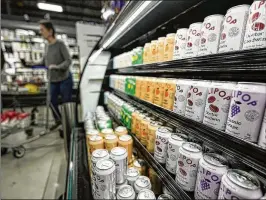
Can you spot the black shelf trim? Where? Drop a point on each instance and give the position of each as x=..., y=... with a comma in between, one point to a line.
x=248, y=153
x=247, y=64
x=164, y=176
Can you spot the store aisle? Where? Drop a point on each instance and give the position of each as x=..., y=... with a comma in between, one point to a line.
x=37, y=175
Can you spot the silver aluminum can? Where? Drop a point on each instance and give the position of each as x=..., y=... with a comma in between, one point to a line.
x=180, y=43
x=146, y=194
x=175, y=142
x=218, y=104
x=193, y=40
x=165, y=197
x=246, y=111
x=182, y=88
x=132, y=175
x=196, y=100
x=98, y=154
x=255, y=36
x=211, y=169
x=118, y=186
x=210, y=35
x=238, y=184
x=161, y=144
x=105, y=180
x=233, y=30
x=187, y=165
x=142, y=182
x=262, y=138
x=119, y=155
x=126, y=192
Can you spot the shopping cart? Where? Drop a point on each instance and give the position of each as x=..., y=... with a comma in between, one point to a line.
x=14, y=136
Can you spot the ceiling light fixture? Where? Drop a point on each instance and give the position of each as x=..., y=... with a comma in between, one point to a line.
x=126, y=24
x=50, y=7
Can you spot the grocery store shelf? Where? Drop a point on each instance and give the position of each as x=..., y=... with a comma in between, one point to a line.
x=165, y=177
x=248, y=153
x=247, y=65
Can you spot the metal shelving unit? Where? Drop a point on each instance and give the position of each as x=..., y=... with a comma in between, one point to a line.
x=165, y=177
x=248, y=153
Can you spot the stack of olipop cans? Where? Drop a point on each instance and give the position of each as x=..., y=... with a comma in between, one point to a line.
x=197, y=167
x=236, y=108
x=116, y=172
x=243, y=27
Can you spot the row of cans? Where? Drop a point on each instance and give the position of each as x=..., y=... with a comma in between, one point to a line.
x=207, y=174
x=236, y=108
x=243, y=27
x=112, y=180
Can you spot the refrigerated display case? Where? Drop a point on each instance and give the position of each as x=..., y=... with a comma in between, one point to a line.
x=236, y=66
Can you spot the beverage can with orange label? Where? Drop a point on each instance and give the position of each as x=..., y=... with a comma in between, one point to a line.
x=150, y=89
x=154, y=44
x=110, y=141
x=159, y=91
x=133, y=121
x=160, y=49
x=143, y=88
x=138, y=86
x=126, y=141
x=146, y=53
x=138, y=124
x=144, y=130
x=169, y=94
x=121, y=130
x=95, y=142
x=152, y=128
x=169, y=46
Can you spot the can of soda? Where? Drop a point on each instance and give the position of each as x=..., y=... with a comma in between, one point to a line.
x=119, y=155
x=211, y=169
x=105, y=180
x=218, y=104
x=152, y=128
x=210, y=34
x=165, y=197
x=118, y=186
x=161, y=144
x=262, y=138
x=144, y=130
x=169, y=44
x=193, y=40
x=99, y=154
x=246, y=111
x=126, y=141
x=106, y=131
x=169, y=94
x=133, y=121
x=95, y=142
x=126, y=192
x=175, y=142
x=255, y=36
x=159, y=92
x=142, y=182
x=182, y=88
x=146, y=194
x=160, y=49
x=196, y=100
x=139, y=118
x=180, y=43
x=110, y=141
x=187, y=165
x=121, y=130
x=132, y=175
x=238, y=184
x=233, y=29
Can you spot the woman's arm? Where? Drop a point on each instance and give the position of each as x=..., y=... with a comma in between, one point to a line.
x=67, y=59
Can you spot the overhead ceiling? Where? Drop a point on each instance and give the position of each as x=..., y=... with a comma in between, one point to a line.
x=74, y=10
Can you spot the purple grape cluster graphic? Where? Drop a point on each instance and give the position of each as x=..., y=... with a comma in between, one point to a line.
x=235, y=109
x=204, y=184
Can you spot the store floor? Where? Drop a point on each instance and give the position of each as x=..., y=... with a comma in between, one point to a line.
x=40, y=174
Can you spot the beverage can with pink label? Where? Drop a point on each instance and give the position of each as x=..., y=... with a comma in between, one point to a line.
x=262, y=138
x=238, y=184
x=210, y=35
x=193, y=40
x=233, y=29
x=211, y=169
x=218, y=104
x=246, y=110
x=187, y=165
x=180, y=43
x=161, y=144
x=196, y=100
x=182, y=88
x=255, y=36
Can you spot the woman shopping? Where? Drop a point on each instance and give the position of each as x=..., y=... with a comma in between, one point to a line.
x=58, y=60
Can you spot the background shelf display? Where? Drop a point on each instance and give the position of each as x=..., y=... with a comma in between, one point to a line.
x=165, y=177
x=248, y=153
